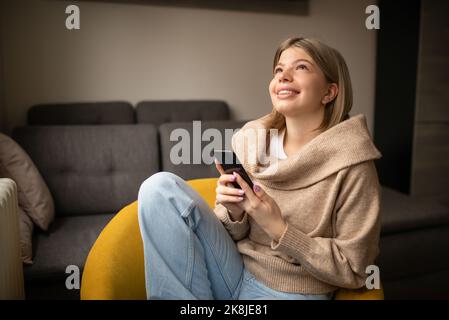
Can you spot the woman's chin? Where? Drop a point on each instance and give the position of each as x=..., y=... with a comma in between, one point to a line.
x=286, y=110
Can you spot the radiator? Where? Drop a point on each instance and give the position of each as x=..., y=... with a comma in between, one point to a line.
x=11, y=268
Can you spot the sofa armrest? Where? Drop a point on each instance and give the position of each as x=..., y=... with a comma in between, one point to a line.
x=11, y=269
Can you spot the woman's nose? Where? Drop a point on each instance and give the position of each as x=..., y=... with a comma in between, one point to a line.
x=285, y=76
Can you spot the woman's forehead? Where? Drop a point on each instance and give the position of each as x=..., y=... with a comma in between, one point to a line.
x=292, y=54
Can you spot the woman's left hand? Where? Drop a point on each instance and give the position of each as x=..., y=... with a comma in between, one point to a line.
x=262, y=208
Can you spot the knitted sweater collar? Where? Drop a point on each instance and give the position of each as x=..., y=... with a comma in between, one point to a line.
x=343, y=145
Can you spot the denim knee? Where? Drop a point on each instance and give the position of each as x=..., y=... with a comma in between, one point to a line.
x=156, y=183
x=165, y=190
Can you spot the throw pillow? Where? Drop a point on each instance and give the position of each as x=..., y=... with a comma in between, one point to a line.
x=34, y=197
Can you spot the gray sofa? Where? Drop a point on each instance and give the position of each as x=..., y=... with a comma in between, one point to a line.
x=94, y=156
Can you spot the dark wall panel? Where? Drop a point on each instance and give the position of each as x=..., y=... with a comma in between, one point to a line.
x=396, y=73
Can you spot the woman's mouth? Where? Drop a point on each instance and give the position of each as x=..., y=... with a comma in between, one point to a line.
x=283, y=94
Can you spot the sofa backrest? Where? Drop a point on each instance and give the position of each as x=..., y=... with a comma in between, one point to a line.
x=194, y=132
x=158, y=112
x=92, y=169
x=82, y=113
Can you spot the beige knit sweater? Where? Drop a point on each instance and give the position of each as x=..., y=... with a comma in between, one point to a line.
x=329, y=195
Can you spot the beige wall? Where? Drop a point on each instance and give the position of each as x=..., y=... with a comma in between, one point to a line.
x=135, y=52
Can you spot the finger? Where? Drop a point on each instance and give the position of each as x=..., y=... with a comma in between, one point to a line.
x=229, y=191
x=219, y=166
x=223, y=199
x=226, y=179
x=260, y=193
x=253, y=199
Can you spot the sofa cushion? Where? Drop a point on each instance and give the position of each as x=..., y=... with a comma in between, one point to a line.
x=67, y=242
x=401, y=212
x=92, y=169
x=158, y=112
x=194, y=167
x=84, y=113
x=414, y=253
x=429, y=286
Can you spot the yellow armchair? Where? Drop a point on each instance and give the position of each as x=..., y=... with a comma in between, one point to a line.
x=114, y=268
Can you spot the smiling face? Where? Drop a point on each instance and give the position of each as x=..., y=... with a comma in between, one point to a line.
x=299, y=86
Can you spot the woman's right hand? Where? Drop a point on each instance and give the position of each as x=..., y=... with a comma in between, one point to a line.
x=228, y=195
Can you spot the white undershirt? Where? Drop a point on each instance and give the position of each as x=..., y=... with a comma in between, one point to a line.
x=277, y=145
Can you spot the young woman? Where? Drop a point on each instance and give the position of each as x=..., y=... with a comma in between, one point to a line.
x=311, y=223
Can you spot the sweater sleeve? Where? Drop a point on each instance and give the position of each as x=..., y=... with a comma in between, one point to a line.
x=237, y=229
x=342, y=260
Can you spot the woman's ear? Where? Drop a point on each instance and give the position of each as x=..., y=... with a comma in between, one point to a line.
x=331, y=93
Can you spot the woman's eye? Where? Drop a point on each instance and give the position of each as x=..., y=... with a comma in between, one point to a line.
x=277, y=70
x=302, y=67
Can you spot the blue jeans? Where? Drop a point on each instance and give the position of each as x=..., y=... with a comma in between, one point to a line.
x=188, y=252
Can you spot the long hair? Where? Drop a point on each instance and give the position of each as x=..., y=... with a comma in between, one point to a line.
x=335, y=70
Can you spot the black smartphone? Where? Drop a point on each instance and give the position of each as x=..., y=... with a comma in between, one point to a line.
x=230, y=164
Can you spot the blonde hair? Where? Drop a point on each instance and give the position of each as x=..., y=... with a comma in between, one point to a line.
x=335, y=70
